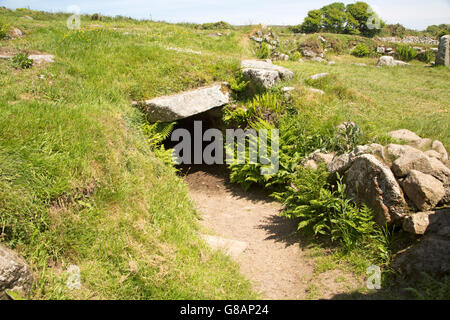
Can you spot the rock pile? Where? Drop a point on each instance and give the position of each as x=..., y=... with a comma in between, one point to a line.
x=396, y=180
x=405, y=185
x=410, y=40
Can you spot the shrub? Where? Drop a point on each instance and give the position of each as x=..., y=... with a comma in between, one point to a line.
x=406, y=53
x=214, y=26
x=156, y=133
x=361, y=50
x=96, y=17
x=426, y=56
x=295, y=56
x=263, y=52
x=3, y=30
x=21, y=61
x=329, y=213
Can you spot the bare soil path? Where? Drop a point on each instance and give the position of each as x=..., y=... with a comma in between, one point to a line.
x=265, y=245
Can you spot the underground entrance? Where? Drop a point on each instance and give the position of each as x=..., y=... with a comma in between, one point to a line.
x=211, y=119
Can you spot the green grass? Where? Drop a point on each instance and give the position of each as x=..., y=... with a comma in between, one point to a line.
x=379, y=99
x=78, y=181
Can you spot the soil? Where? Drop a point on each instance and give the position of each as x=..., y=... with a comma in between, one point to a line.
x=274, y=258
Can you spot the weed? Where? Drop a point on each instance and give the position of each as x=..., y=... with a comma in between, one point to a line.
x=21, y=61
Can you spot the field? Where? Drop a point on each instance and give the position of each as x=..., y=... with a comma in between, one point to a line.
x=80, y=185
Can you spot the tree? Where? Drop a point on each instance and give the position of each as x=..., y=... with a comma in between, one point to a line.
x=362, y=17
x=313, y=22
x=334, y=17
x=355, y=18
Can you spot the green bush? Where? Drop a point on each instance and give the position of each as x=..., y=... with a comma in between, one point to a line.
x=263, y=52
x=329, y=213
x=296, y=56
x=96, y=17
x=21, y=61
x=214, y=26
x=361, y=50
x=156, y=133
x=406, y=53
x=426, y=56
x=3, y=30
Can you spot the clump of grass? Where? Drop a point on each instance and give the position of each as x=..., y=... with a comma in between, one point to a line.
x=263, y=52
x=21, y=61
x=361, y=50
x=3, y=30
x=406, y=53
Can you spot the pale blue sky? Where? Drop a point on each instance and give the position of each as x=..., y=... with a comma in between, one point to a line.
x=416, y=14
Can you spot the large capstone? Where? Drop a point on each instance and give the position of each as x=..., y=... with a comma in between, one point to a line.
x=186, y=104
x=371, y=182
x=442, y=56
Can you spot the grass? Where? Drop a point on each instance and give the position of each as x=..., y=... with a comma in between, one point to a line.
x=78, y=181
x=80, y=185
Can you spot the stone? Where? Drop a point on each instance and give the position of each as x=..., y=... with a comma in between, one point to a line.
x=432, y=253
x=395, y=151
x=264, y=73
x=390, y=62
x=417, y=223
x=308, y=53
x=15, y=33
x=318, y=59
x=405, y=135
x=423, y=144
x=360, y=64
x=283, y=57
x=232, y=248
x=42, y=58
x=185, y=104
x=318, y=76
x=322, y=39
x=261, y=77
x=442, y=56
x=433, y=154
x=311, y=164
x=439, y=170
x=381, y=49
x=314, y=90
x=256, y=39
x=14, y=273
x=439, y=147
x=423, y=190
x=321, y=157
x=342, y=163
x=369, y=181
x=414, y=160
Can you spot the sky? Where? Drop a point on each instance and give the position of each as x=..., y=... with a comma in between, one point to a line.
x=414, y=14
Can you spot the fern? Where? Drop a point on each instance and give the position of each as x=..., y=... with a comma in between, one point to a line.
x=156, y=133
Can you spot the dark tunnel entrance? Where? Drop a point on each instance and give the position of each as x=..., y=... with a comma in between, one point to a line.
x=211, y=119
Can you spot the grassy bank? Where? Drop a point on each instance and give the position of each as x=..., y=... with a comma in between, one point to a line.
x=78, y=181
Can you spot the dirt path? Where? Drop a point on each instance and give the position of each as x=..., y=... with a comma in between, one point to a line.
x=264, y=244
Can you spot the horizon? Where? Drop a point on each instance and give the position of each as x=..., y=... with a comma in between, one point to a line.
x=418, y=15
